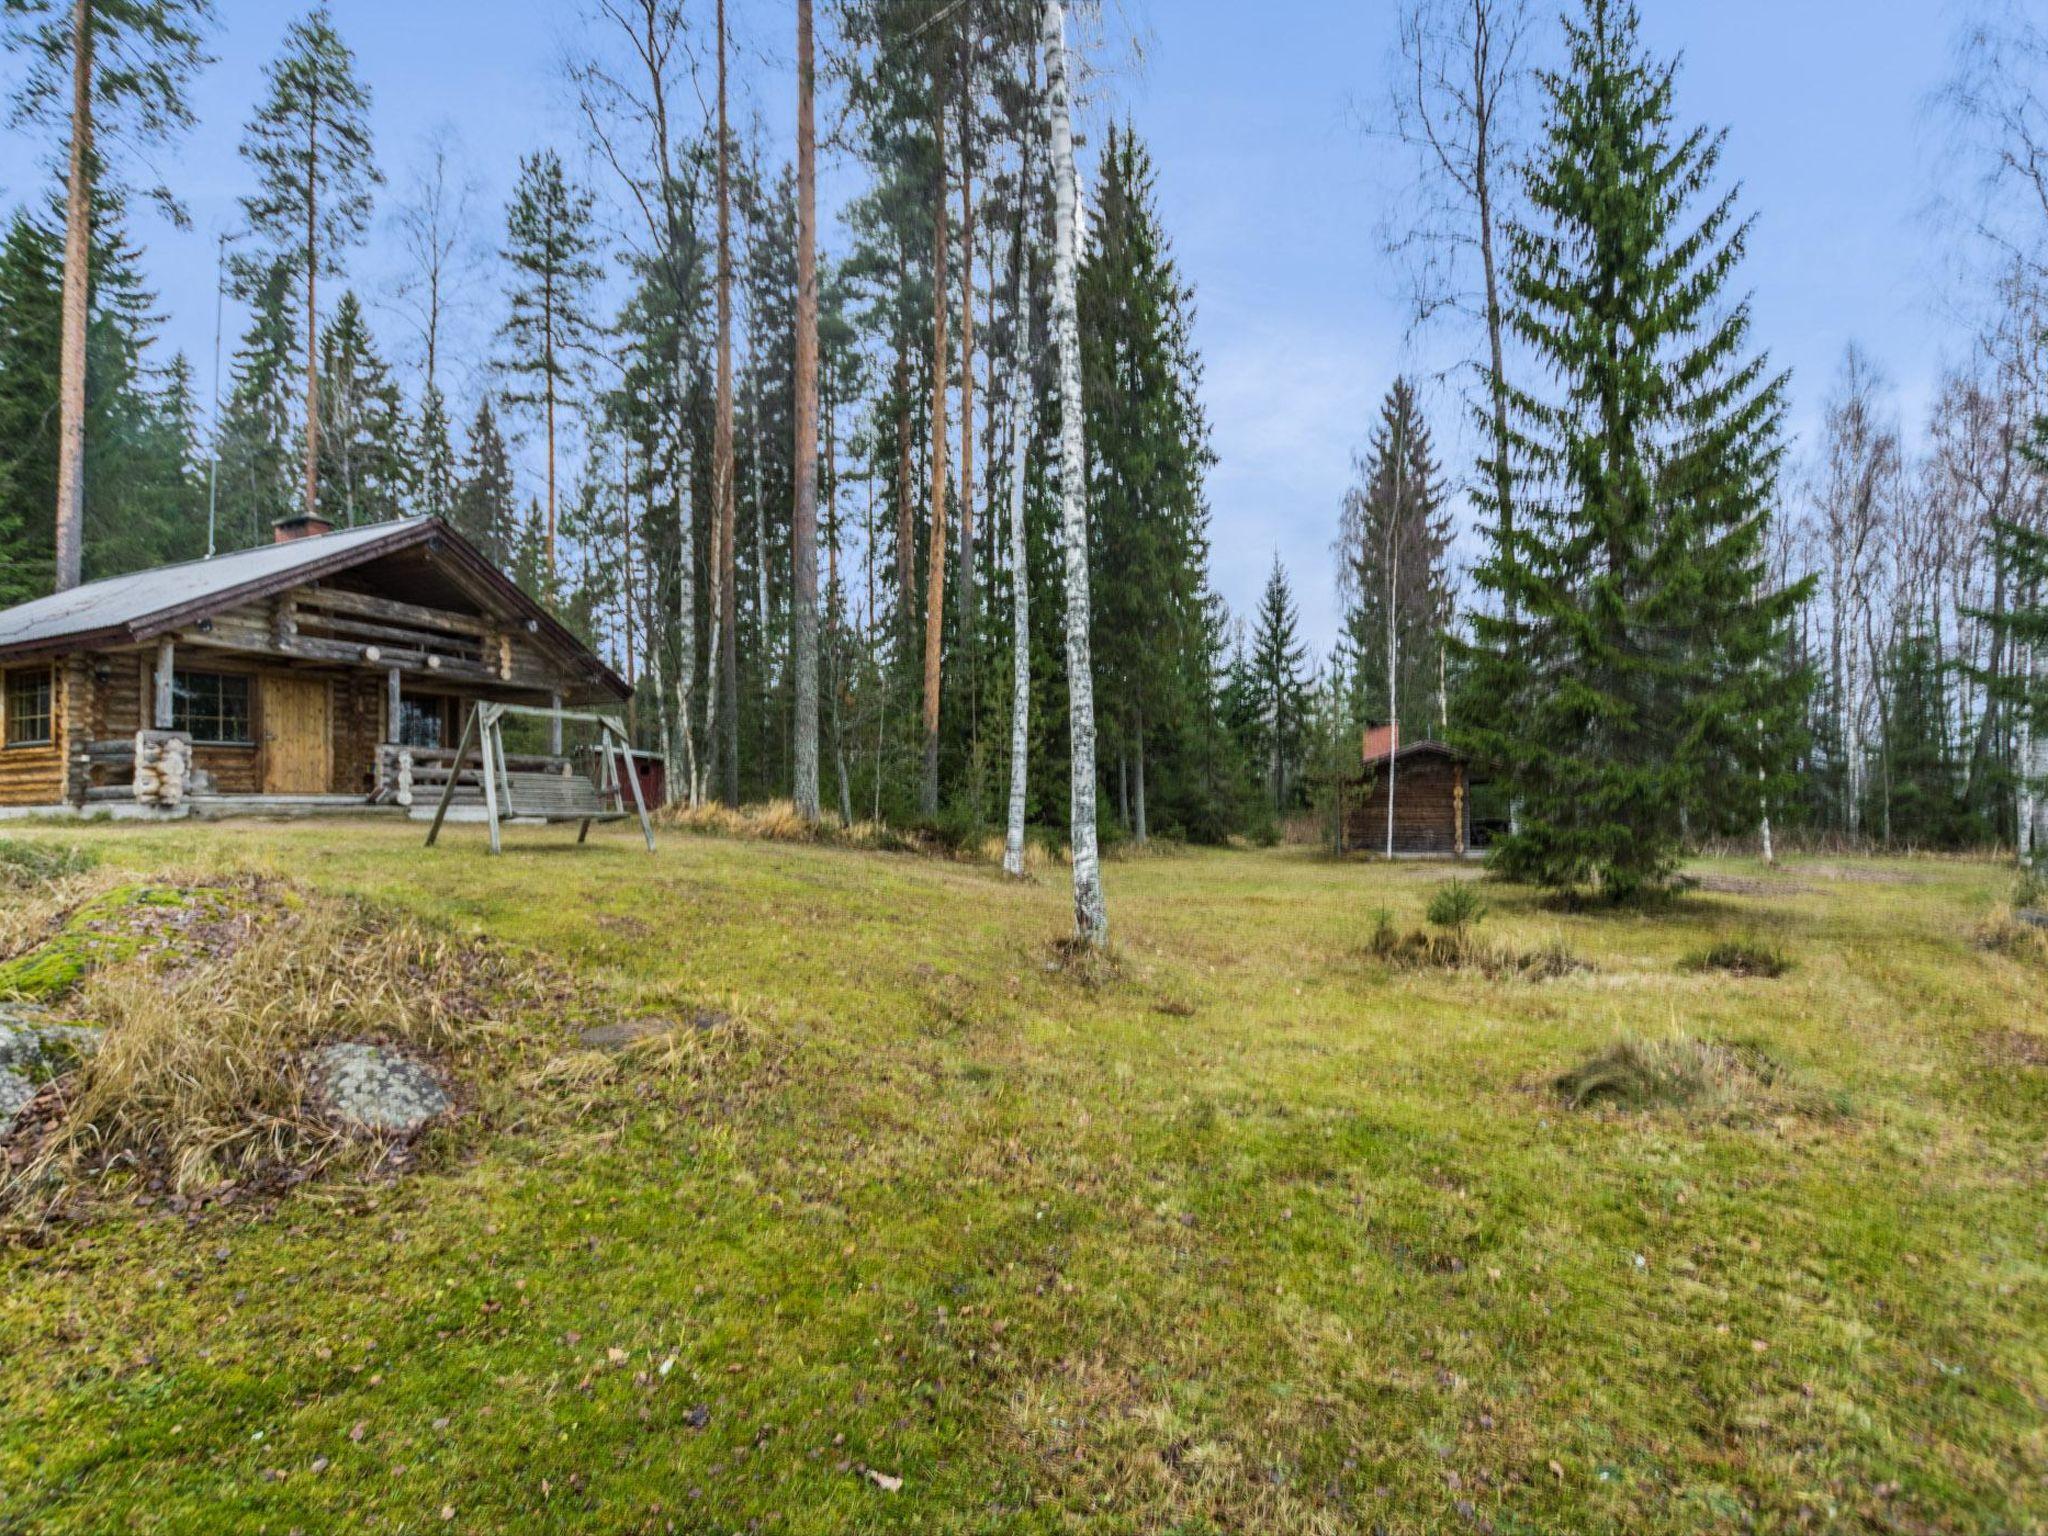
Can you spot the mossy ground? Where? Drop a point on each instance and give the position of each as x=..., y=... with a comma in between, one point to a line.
x=111, y=927
x=1247, y=1233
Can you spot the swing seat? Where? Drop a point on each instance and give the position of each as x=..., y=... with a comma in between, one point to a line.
x=556, y=797
x=548, y=797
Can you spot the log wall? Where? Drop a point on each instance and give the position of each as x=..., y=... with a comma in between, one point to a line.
x=1428, y=805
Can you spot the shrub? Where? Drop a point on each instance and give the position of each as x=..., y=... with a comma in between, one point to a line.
x=1455, y=907
x=2031, y=889
x=1740, y=957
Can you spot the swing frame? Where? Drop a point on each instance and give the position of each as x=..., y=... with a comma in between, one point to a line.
x=485, y=726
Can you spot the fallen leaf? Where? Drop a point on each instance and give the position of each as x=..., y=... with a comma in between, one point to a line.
x=360, y=1428
x=884, y=1481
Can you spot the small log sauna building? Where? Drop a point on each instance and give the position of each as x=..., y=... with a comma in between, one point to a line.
x=1431, y=787
x=328, y=669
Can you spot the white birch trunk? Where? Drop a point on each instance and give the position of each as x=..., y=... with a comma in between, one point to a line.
x=1091, y=915
x=1020, y=566
x=804, y=524
x=2033, y=748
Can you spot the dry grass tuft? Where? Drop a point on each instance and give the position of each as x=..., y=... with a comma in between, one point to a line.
x=777, y=821
x=1743, y=957
x=1679, y=1072
x=2006, y=932
x=1456, y=949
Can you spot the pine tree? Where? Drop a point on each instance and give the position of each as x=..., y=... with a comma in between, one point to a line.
x=1393, y=569
x=1640, y=690
x=486, y=510
x=113, y=70
x=365, y=458
x=1278, y=691
x=549, y=250
x=309, y=145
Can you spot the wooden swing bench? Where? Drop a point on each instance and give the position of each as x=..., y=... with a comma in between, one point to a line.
x=528, y=795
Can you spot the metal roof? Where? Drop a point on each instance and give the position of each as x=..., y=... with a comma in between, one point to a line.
x=130, y=602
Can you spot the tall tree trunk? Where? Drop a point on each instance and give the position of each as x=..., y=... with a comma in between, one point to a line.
x=77, y=300
x=906, y=516
x=1091, y=913
x=803, y=541
x=935, y=559
x=964, y=580
x=312, y=312
x=1020, y=562
x=727, y=740
x=1143, y=826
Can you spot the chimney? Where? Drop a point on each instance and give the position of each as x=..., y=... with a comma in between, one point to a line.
x=1381, y=742
x=287, y=530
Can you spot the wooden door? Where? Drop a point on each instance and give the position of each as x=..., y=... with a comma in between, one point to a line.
x=297, y=736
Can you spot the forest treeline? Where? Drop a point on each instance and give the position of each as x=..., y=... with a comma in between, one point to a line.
x=1651, y=616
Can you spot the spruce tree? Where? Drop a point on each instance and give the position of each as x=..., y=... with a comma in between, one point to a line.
x=365, y=459
x=137, y=420
x=1148, y=462
x=486, y=510
x=309, y=144
x=549, y=249
x=1280, y=691
x=257, y=427
x=434, y=492
x=1640, y=692
x=1393, y=569
x=30, y=273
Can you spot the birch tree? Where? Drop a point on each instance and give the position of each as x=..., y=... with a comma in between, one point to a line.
x=722, y=729
x=804, y=529
x=112, y=71
x=1091, y=912
x=1020, y=564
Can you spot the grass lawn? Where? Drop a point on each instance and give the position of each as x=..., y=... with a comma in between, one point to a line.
x=1256, y=1235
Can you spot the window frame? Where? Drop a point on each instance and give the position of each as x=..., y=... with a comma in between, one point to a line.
x=435, y=704
x=181, y=702
x=8, y=678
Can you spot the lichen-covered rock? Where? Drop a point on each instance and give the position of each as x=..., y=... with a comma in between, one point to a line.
x=34, y=1047
x=374, y=1088
x=15, y=1092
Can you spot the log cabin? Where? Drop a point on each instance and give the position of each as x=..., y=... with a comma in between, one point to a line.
x=326, y=670
x=1431, y=786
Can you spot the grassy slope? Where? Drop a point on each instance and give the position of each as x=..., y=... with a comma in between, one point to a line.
x=1317, y=1255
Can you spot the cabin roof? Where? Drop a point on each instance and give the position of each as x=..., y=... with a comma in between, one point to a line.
x=126, y=610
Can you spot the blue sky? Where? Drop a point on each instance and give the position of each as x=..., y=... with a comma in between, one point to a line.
x=1272, y=193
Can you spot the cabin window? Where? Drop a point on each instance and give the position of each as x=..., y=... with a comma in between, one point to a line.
x=30, y=717
x=212, y=708
x=422, y=723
